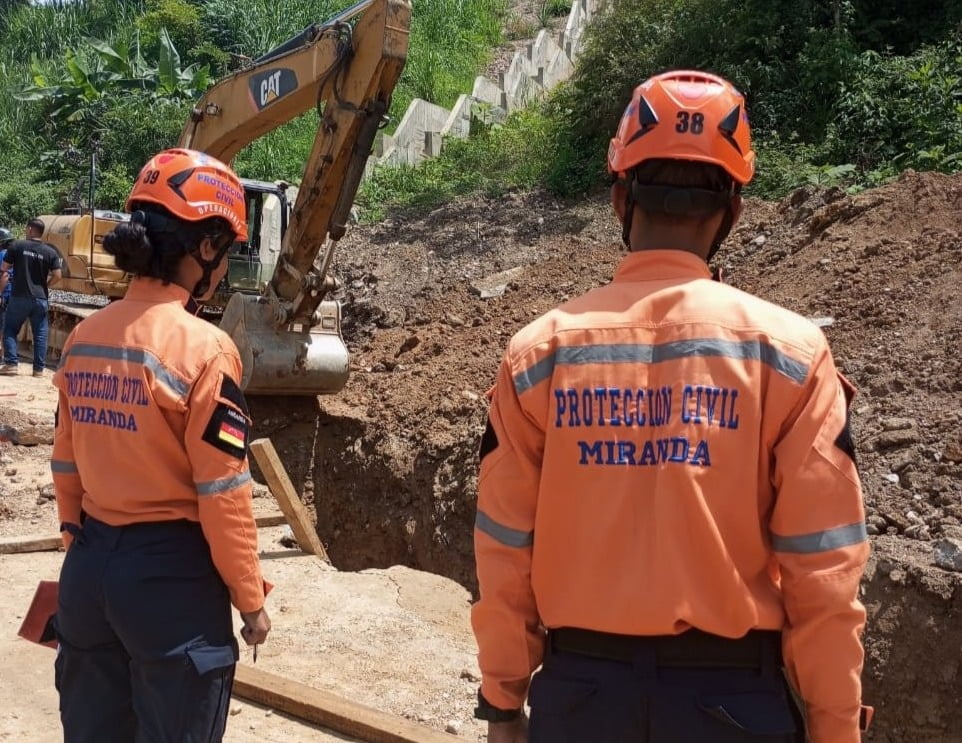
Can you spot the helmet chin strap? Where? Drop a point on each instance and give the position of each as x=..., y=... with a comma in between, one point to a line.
x=629, y=218
x=207, y=268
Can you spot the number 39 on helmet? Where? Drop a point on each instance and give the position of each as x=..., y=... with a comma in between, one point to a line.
x=192, y=186
x=685, y=115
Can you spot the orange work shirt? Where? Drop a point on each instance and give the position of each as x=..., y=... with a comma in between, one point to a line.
x=152, y=426
x=668, y=452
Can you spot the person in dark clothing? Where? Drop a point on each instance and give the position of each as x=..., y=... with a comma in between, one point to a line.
x=6, y=283
x=36, y=267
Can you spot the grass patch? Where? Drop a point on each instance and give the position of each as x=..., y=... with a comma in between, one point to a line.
x=501, y=158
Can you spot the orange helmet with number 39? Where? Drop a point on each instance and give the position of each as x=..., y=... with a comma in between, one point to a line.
x=685, y=115
x=192, y=186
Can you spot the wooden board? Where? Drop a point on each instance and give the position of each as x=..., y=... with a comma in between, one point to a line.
x=273, y=519
x=329, y=710
x=287, y=498
x=19, y=545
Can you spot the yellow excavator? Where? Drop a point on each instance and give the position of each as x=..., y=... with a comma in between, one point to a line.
x=275, y=304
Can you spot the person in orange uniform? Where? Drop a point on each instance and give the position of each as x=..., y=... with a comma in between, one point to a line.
x=151, y=476
x=670, y=521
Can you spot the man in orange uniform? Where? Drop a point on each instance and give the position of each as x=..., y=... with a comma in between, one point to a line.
x=669, y=511
x=152, y=480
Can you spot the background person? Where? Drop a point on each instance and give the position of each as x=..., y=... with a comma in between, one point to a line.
x=6, y=285
x=152, y=480
x=36, y=267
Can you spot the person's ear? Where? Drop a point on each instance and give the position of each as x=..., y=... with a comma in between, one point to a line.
x=618, y=193
x=738, y=208
x=207, y=250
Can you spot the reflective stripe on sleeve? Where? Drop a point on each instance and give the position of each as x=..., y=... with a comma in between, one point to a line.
x=220, y=486
x=641, y=353
x=504, y=534
x=821, y=541
x=133, y=355
x=63, y=467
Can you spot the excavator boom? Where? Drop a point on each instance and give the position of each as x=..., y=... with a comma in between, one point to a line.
x=289, y=337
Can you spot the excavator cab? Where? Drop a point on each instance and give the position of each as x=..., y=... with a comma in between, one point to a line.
x=251, y=263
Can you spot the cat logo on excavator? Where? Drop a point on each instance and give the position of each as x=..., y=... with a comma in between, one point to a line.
x=269, y=85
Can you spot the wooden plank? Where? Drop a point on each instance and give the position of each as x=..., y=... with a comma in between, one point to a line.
x=273, y=519
x=329, y=710
x=18, y=545
x=287, y=498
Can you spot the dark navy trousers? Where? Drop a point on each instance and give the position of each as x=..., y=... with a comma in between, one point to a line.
x=147, y=650
x=575, y=698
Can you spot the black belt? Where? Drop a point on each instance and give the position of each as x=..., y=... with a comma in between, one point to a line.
x=691, y=649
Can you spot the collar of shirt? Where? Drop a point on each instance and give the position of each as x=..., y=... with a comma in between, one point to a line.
x=143, y=289
x=656, y=265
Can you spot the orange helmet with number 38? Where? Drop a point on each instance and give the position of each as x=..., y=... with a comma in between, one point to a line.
x=192, y=186
x=685, y=115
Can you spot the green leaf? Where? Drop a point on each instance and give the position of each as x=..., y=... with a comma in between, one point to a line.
x=168, y=70
x=113, y=58
x=81, y=77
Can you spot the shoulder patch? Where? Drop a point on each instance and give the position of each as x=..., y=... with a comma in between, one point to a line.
x=489, y=441
x=230, y=390
x=845, y=442
x=227, y=430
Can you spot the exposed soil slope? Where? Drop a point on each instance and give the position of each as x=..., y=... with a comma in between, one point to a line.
x=391, y=462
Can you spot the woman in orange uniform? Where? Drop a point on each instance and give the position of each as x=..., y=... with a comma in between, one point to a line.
x=151, y=475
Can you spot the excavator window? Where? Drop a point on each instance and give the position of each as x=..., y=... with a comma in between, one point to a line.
x=244, y=264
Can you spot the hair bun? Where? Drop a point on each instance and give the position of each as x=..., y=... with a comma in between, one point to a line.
x=129, y=245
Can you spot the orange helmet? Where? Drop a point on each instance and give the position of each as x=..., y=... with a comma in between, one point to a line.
x=685, y=115
x=192, y=186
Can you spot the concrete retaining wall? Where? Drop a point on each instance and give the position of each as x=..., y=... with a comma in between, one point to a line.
x=533, y=71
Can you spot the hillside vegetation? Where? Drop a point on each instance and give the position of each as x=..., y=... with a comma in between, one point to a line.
x=120, y=76
x=840, y=92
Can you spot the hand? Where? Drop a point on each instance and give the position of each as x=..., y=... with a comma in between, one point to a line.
x=256, y=626
x=515, y=731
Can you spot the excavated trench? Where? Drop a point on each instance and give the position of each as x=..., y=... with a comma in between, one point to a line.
x=371, y=493
x=390, y=462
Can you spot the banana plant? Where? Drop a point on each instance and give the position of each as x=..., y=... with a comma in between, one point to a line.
x=99, y=69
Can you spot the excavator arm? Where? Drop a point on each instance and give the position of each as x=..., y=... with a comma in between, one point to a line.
x=289, y=337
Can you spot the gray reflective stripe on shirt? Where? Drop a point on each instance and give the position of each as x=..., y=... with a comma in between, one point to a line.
x=63, y=467
x=500, y=533
x=220, y=486
x=645, y=353
x=133, y=355
x=821, y=541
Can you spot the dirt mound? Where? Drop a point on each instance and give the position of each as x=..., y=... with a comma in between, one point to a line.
x=432, y=300
x=885, y=266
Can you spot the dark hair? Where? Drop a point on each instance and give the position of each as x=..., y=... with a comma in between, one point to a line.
x=152, y=247
x=37, y=224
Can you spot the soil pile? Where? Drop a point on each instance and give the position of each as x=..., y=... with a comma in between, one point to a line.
x=431, y=301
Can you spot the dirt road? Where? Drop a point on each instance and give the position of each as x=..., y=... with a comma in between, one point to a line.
x=397, y=640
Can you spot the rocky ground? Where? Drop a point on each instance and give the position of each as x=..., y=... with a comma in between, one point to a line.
x=389, y=464
x=432, y=299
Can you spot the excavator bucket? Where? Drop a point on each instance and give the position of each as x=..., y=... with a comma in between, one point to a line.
x=279, y=361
